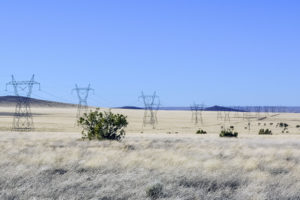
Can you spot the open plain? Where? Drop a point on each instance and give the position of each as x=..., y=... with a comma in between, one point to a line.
x=54, y=163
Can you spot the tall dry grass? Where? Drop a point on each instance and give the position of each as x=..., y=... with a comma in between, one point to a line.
x=61, y=166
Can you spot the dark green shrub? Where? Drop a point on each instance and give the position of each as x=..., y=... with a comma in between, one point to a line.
x=200, y=131
x=285, y=130
x=298, y=126
x=265, y=132
x=103, y=125
x=283, y=125
x=228, y=133
x=155, y=191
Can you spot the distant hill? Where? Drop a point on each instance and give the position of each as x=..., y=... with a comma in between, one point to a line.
x=220, y=108
x=131, y=107
x=12, y=100
x=278, y=109
x=213, y=108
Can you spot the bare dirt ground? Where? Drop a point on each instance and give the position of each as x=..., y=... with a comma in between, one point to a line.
x=54, y=163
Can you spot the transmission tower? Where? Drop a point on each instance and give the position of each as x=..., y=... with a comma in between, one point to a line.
x=237, y=111
x=197, y=113
x=227, y=116
x=219, y=115
x=246, y=113
x=82, y=94
x=258, y=111
x=23, y=120
x=151, y=106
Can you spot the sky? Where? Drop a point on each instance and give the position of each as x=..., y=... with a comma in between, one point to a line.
x=212, y=51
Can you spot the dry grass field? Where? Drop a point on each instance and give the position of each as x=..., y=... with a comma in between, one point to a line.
x=54, y=163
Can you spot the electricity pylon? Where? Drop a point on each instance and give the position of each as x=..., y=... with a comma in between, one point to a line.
x=237, y=111
x=227, y=116
x=151, y=106
x=82, y=94
x=258, y=111
x=247, y=113
x=197, y=113
x=219, y=115
x=23, y=120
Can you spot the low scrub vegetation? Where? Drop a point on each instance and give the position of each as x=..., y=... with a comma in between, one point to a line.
x=265, y=132
x=103, y=125
x=282, y=125
x=200, y=131
x=155, y=191
x=228, y=133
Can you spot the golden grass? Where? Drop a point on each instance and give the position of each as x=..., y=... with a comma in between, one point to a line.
x=189, y=166
x=54, y=163
x=63, y=120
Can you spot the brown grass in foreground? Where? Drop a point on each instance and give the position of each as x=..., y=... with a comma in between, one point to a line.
x=60, y=166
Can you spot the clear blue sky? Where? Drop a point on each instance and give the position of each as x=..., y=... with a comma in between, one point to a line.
x=217, y=52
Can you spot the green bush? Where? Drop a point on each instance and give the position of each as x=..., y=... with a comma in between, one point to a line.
x=298, y=126
x=103, y=125
x=155, y=191
x=283, y=125
x=200, y=131
x=228, y=133
x=265, y=132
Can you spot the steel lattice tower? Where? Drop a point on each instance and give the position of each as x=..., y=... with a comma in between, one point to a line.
x=197, y=113
x=151, y=106
x=82, y=94
x=237, y=111
x=23, y=120
x=246, y=113
x=219, y=115
x=227, y=116
x=258, y=111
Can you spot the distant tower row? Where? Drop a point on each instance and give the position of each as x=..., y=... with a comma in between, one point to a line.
x=23, y=119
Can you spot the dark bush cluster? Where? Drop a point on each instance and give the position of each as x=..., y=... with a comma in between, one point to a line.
x=103, y=125
x=228, y=133
x=155, y=191
x=265, y=132
x=200, y=131
x=283, y=125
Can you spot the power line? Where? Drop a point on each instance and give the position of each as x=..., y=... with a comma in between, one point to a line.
x=55, y=96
